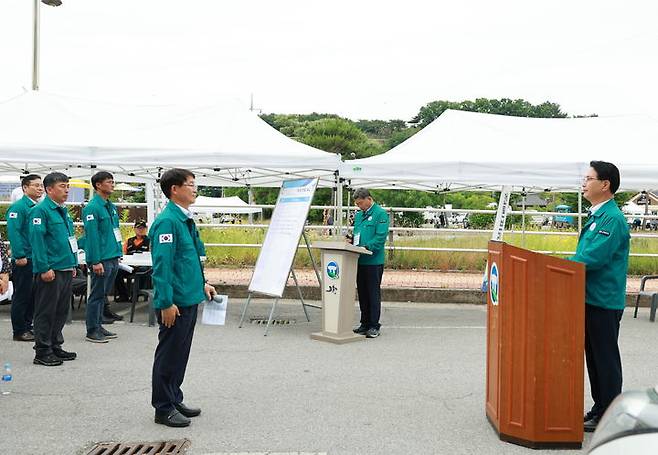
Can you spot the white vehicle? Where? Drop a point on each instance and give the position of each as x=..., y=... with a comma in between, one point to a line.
x=629, y=426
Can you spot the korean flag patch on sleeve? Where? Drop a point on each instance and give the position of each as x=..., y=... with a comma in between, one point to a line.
x=90, y=217
x=36, y=220
x=13, y=215
x=166, y=238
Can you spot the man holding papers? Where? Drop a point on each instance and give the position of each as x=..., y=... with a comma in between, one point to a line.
x=179, y=286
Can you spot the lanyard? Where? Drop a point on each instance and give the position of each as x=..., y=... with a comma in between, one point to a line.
x=63, y=213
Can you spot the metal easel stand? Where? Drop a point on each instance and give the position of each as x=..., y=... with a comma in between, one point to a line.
x=276, y=300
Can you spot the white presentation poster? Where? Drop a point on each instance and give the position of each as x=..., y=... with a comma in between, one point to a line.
x=282, y=237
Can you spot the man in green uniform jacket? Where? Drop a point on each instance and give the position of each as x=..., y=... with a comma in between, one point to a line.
x=179, y=286
x=603, y=247
x=18, y=224
x=370, y=231
x=54, y=257
x=102, y=253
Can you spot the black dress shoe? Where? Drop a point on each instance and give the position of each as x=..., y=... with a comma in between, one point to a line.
x=372, y=333
x=112, y=315
x=25, y=336
x=172, y=419
x=588, y=415
x=64, y=355
x=187, y=411
x=591, y=424
x=50, y=360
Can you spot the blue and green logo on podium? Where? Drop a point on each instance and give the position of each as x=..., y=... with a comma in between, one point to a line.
x=493, y=284
x=332, y=270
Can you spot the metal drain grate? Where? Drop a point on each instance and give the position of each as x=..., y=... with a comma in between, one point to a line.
x=179, y=446
x=263, y=321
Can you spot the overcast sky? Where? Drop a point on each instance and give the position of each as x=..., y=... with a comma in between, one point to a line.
x=358, y=58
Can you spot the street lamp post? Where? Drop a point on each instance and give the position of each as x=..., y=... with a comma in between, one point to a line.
x=36, y=39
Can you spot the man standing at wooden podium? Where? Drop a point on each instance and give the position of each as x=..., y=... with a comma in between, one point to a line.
x=603, y=247
x=370, y=232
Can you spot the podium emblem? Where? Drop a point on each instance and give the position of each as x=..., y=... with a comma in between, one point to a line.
x=493, y=284
x=332, y=270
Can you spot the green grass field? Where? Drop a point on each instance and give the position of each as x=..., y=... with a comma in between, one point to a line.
x=423, y=260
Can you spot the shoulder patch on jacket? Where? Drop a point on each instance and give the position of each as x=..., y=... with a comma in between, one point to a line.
x=166, y=238
x=90, y=217
x=36, y=220
x=13, y=215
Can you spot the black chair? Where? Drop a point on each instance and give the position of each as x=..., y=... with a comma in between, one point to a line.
x=139, y=276
x=652, y=294
x=79, y=288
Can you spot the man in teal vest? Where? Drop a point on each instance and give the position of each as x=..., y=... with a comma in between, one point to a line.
x=18, y=224
x=603, y=247
x=370, y=231
x=102, y=253
x=54, y=257
x=179, y=286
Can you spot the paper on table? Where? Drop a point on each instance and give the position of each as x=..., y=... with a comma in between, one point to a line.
x=125, y=267
x=214, y=311
x=7, y=295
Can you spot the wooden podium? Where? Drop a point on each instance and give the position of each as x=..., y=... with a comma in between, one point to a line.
x=339, y=265
x=535, y=345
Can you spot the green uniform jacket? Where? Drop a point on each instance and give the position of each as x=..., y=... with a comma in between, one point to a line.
x=372, y=226
x=175, y=249
x=50, y=229
x=101, y=219
x=18, y=223
x=603, y=247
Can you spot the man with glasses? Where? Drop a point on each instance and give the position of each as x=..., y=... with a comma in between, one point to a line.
x=370, y=231
x=54, y=257
x=179, y=286
x=102, y=253
x=18, y=223
x=603, y=247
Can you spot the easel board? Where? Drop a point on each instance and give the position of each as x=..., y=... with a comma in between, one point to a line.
x=282, y=238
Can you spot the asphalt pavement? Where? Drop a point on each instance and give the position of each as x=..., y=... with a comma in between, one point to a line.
x=418, y=388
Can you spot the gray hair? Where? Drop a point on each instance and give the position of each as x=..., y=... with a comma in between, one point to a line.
x=361, y=193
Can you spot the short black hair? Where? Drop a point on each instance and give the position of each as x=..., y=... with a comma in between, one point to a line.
x=25, y=181
x=361, y=193
x=607, y=171
x=54, y=178
x=100, y=177
x=175, y=176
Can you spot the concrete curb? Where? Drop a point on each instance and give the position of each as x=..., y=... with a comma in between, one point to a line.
x=416, y=295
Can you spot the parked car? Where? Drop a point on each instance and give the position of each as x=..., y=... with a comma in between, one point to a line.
x=629, y=426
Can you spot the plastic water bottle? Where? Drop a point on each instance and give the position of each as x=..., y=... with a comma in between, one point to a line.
x=6, y=379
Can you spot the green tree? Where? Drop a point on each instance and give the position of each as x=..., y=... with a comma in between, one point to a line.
x=504, y=106
x=338, y=136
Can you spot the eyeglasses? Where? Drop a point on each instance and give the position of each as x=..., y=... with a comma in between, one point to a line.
x=588, y=179
x=191, y=185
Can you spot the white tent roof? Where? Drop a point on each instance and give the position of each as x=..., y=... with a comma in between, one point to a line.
x=472, y=150
x=233, y=204
x=221, y=143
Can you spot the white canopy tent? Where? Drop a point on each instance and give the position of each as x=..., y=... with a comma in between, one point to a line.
x=467, y=150
x=223, y=144
x=232, y=205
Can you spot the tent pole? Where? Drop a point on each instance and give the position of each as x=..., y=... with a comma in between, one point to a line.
x=580, y=209
x=338, y=220
x=250, y=195
x=523, y=218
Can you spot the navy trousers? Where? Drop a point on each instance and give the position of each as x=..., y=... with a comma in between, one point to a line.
x=52, y=300
x=170, y=360
x=602, y=355
x=22, y=302
x=368, y=286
